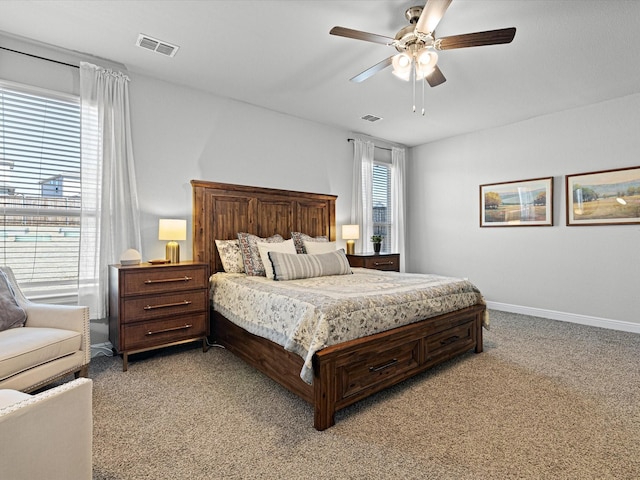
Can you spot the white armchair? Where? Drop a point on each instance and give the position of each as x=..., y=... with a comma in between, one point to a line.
x=54, y=342
x=47, y=435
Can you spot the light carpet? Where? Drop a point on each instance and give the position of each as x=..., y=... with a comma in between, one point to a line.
x=546, y=400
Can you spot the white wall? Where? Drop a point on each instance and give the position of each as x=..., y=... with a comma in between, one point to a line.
x=181, y=134
x=584, y=271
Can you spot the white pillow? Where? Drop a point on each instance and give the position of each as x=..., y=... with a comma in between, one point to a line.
x=315, y=248
x=264, y=248
x=230, y=255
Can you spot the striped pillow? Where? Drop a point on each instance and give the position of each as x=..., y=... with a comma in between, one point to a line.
x=287, y=266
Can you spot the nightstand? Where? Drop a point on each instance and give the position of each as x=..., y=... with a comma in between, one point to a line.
x=378, y=261
x=155, y=306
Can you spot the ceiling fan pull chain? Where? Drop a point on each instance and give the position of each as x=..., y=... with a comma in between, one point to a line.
x=413, y=75
x=423, y=82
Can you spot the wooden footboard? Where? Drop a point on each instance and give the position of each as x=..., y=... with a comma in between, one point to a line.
x=351, y=371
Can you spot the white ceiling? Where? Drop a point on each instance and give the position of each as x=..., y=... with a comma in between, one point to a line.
x=278, y=54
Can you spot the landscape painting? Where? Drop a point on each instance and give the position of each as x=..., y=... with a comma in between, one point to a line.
x=610, y=197
x=517, y=203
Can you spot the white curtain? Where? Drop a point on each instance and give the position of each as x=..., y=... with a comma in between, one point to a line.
x=398, y=203
x=109, y=220
x=361, y=207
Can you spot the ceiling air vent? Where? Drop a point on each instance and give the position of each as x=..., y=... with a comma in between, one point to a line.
x=371, y=118
x=156, y=45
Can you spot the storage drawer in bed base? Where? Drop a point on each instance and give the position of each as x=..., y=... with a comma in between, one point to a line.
x=360, y=372
x=394, y=361
x=365, y=366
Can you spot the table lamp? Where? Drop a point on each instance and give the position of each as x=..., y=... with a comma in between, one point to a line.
x=172, y=230
x=350, y=233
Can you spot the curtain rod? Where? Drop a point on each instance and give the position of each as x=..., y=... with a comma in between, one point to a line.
x=40, y=58
x=375, y=146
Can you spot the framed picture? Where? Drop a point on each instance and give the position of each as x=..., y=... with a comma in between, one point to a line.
x=609, y=197
x=517, y=204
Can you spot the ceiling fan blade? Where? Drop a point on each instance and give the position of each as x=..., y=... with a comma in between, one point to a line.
x=431, y=15
x=435, y=78
x=358, y=35
x=478, y=39
x=372, y=70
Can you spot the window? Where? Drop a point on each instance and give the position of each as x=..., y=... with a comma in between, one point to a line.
x=40, y=190
x=381, y=204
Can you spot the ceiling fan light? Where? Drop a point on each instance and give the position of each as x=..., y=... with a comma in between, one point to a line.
x=426, y=60
x=402, y=66
x=406, y=76
x=403, y=60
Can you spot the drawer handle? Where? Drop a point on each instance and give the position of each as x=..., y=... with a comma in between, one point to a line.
x=165, y=305
x=173, y=329
x=377, y=264
x=382, y=367
x=450, y=340
x=167, y=280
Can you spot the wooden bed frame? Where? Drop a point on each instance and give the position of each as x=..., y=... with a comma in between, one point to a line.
x=344, y=373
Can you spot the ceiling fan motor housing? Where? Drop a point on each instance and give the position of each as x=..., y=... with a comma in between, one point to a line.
x=413, y=14
x=408, y=39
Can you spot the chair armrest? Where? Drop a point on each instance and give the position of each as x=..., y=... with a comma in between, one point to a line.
x=49, y=435
x=68, y=317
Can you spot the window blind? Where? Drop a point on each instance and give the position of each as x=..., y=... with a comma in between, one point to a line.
x=381, y=194
x=40, y=190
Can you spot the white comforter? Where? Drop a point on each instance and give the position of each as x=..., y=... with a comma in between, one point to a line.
x=307, y=315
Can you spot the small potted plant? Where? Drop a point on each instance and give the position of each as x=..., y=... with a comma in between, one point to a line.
x=377, y=243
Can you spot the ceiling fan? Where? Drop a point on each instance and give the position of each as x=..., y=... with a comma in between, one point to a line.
x=417, y=44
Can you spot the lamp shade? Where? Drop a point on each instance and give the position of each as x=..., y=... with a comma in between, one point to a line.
x=350, y=232
x=402, y=66
x=425, y=62
x=172, y=229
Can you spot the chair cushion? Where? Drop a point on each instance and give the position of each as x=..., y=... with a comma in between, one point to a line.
x=9, y=397
x=11, y=314
x=28, y=347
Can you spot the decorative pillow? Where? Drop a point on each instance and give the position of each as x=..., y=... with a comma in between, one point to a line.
x=292, y=267
x=230, y=255
x=299, y=239
x=11, y=314
x=264, y=248
x=315, y=247
x=250, y=253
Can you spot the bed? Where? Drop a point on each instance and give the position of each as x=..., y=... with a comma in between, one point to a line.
x=342, y=373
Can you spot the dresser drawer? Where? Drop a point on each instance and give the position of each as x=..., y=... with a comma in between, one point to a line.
x=157, y=332
x=136, y=309
x=389, y=263
x=447, y=343
x=384, y=261
x=163, y=279
x=372, y=369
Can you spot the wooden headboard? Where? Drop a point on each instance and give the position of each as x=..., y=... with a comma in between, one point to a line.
x=221, y=210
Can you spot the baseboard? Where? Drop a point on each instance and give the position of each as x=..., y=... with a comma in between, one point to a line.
x=101, y=349
x=567, y=317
